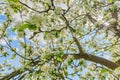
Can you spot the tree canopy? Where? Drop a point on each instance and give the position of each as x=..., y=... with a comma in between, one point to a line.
x=60, y=40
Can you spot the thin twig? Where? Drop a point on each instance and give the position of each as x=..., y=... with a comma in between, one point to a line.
x=35, y=9
x=15, y=51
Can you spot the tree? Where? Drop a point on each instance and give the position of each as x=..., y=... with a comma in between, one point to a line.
x=61, y=39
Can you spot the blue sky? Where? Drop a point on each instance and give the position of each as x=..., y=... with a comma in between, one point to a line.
x=2, y=18
x=15, y=43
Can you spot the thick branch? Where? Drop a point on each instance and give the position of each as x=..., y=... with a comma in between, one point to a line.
x=96, y=59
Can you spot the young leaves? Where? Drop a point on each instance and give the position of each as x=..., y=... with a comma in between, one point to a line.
x=13, y=0
x=30, y=26
x=111, y=1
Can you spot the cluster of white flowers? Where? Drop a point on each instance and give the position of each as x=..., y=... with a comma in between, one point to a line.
x=65, y=63
x=64, y=33
x=36, y=19
x=117, y=71
x=92, y=67
x=18, y=24
x=46, y=67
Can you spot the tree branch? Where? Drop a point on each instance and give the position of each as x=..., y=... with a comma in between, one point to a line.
x=11, y=75
x=40, y=31
x=112, y=26
x=35, y=9
x=71, y=30
x=95, y=59
x=12, y=49
x=17, y=72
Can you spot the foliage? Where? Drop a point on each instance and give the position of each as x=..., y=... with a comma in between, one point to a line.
x=60, y=39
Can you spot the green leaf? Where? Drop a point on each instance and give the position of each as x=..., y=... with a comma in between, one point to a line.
x=114, y=7
x=74, y=30
x=68, y=2
x=5, y=54
x=14, y=29
x=66, y=73
x=32, y=27
x=59, y=59
x=80, y=34
x=103, y=70
x=38, y=72
x=70, y=61
x=27, y=25
x=61, y=40
x=97, y=25
x=57, y=34
x=81, y=62
x=13, y=0
x=60, y=54
x=111, y=1
x=106, y=35
x=23, y=27
x=13, y=56
x=14, y=5
x=16, y=9
x=73, y=75
x=93, y=44
x=9, y=68
x=84, y=22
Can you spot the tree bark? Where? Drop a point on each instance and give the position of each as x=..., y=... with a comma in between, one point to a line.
x=95, y=59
